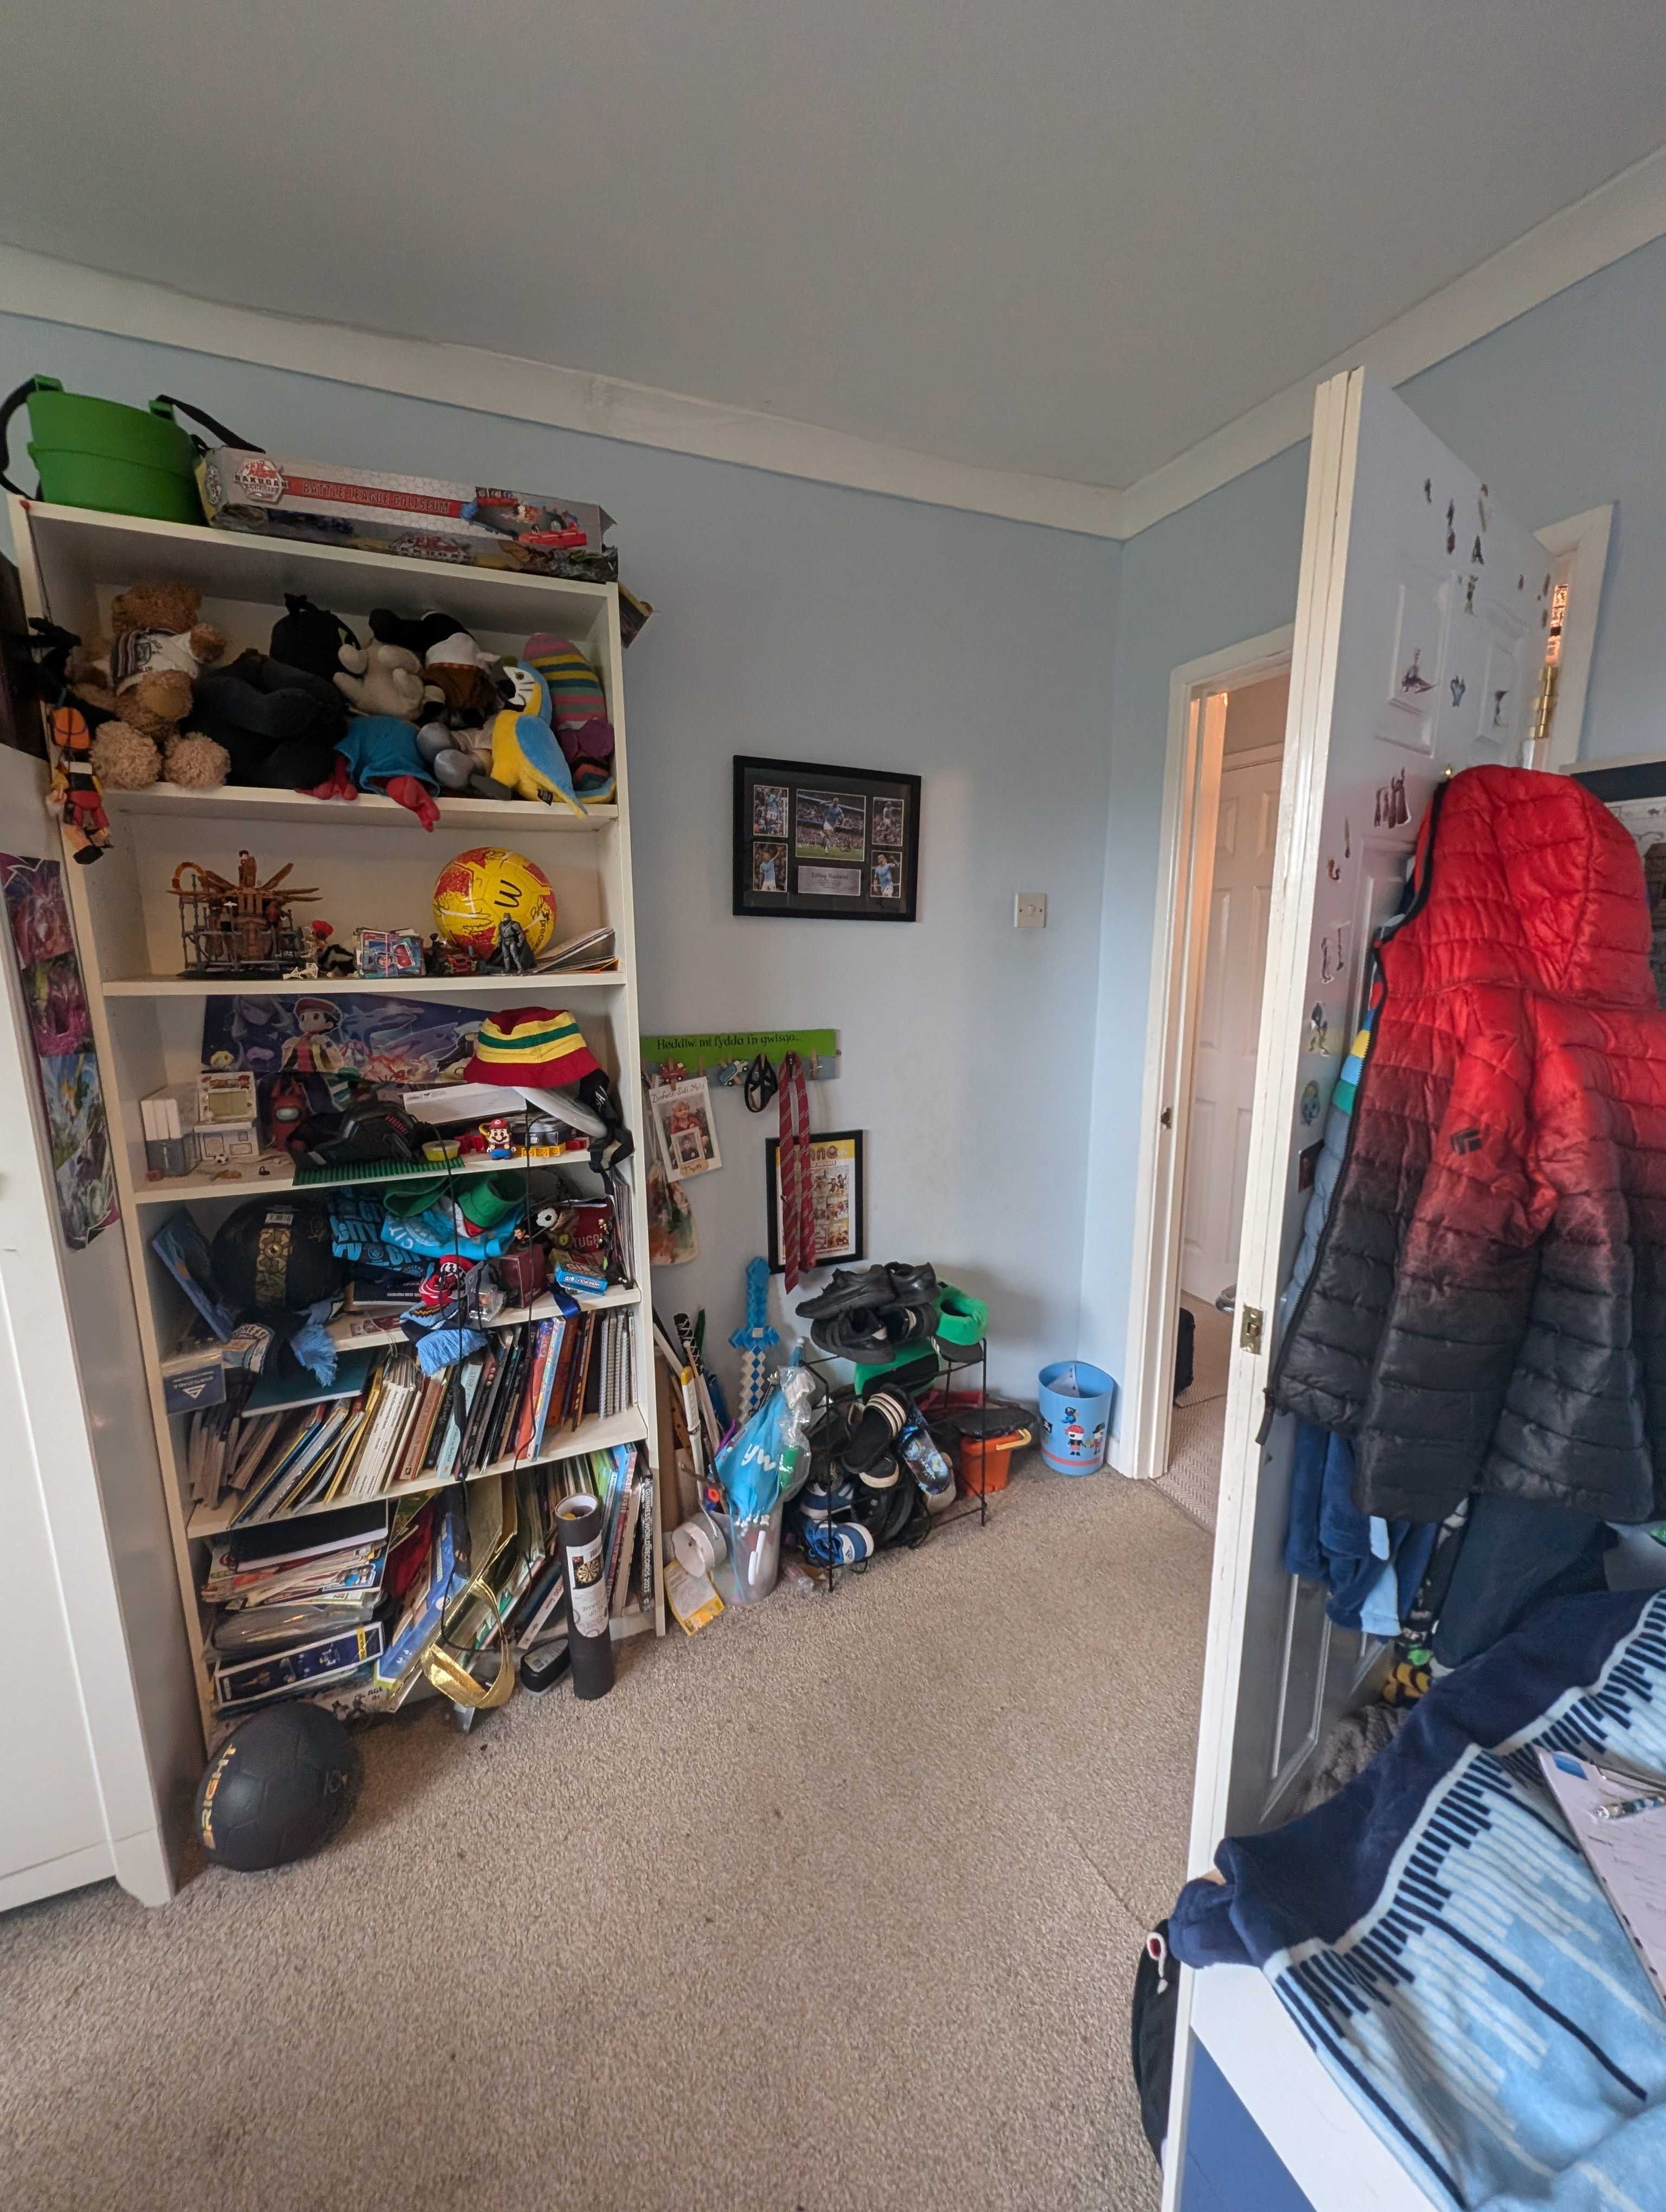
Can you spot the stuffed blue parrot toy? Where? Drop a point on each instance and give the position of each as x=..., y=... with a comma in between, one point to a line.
x=527, y=756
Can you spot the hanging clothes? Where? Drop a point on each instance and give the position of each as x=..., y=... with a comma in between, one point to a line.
x=1488, y=1305
x=1372, y=1568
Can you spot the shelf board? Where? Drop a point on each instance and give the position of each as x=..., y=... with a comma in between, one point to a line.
x=362, y=1334
x=235, y=564
x=228, y=1182
x=597, y=1435
x=254, y=803
x=555, y=982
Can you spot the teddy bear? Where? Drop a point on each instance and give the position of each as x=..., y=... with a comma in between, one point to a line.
x=144, y=680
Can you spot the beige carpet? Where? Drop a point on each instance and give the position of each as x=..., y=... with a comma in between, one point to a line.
x=837, y=1906
x=1199, y=1426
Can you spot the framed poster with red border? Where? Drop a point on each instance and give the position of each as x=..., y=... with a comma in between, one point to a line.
x=838, y=1193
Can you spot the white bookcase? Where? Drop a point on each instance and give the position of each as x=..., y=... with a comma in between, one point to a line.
x=374, y=866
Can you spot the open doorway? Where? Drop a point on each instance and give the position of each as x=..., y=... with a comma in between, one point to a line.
x=1201, y=696
x=1235, y=901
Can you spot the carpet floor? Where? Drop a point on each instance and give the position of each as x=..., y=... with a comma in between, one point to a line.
x=1198, y=1429
x=837, y=1905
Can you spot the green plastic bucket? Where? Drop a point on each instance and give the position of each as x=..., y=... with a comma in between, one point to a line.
x=99, y=453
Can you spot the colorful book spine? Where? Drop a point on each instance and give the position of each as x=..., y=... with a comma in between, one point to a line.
x=253, y=1681
x=646, y=1562
x=420, y=1623
x=547, y=1383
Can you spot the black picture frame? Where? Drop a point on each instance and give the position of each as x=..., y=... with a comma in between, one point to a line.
x=855, y=1138
x=837, y=844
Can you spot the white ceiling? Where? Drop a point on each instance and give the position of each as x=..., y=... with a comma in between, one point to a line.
x=1069, y=237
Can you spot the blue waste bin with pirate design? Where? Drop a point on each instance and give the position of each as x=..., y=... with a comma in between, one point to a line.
x=1075, y=1416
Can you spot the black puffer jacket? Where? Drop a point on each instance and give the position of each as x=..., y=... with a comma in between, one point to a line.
x=1488, y=1307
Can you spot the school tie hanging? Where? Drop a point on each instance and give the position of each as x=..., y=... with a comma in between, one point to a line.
x=798, y=1211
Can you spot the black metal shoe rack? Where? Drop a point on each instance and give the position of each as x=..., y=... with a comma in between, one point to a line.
x=957, y=1360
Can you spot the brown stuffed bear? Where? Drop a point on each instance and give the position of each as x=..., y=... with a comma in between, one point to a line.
x=144, y=678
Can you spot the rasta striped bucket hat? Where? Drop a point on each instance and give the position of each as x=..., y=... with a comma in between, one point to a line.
x=535, y=1046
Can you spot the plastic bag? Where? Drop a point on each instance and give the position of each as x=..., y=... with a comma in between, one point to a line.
x=755, y=1469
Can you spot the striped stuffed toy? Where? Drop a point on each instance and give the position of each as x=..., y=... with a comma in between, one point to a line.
x=579, y=713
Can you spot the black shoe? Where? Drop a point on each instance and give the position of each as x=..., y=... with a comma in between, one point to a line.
x=869, y=1287
x=906, y=1325
x=912, y=1285
x=857, y=1334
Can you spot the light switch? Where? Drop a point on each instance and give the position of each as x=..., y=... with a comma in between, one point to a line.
x=1030, y=910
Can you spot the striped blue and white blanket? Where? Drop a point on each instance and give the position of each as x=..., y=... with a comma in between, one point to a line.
x=1441, y=1942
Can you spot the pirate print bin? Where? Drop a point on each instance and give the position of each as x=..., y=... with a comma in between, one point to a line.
x=1075, y=1416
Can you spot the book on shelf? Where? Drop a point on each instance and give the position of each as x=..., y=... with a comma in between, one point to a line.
x=623, y=1551
x=535, y=1619
x=645, y=1542
x=439, y=1535
x=351, y=1598
x=257, y=1681
x=387, y=1429
x=249, y=1631
x=273, y=1393
x=348, y=1572
x=280, y=1543
x=180, y=1245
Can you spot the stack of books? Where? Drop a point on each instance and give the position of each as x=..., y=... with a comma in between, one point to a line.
x=296, y=1608
x=617, y=1354
x=382, y=1426
x=344, y=1606
x=622, y=1480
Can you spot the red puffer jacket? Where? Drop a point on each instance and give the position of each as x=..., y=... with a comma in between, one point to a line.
x=1488, y=1306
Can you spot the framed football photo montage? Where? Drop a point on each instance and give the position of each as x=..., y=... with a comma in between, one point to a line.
x=840, y=843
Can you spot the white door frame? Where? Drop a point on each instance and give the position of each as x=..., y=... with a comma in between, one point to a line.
x=1191, y=786
x=1581, y=549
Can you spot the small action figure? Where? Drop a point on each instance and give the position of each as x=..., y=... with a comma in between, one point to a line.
x=73, y=794
x=512, y=955
x=500, y=1143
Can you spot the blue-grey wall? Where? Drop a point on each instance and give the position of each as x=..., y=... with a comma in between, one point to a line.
x=798, y=619
x=821, y=623
x=1563, y=409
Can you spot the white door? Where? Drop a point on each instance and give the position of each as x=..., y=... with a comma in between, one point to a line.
x=100, y=1743
x=1228, y=1025
x=1419, y=627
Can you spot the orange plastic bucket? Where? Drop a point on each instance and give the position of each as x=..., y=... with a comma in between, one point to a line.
x=986, y=1462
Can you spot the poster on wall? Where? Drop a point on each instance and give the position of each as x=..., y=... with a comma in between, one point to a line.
x=405, y=1040
x=61, y=1032
x=836, y=1196
x=684, y=1111
x=839, y=843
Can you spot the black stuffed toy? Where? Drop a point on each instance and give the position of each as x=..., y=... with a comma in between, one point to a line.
x=417, y=634
x=280, y=725
x=310, y=637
